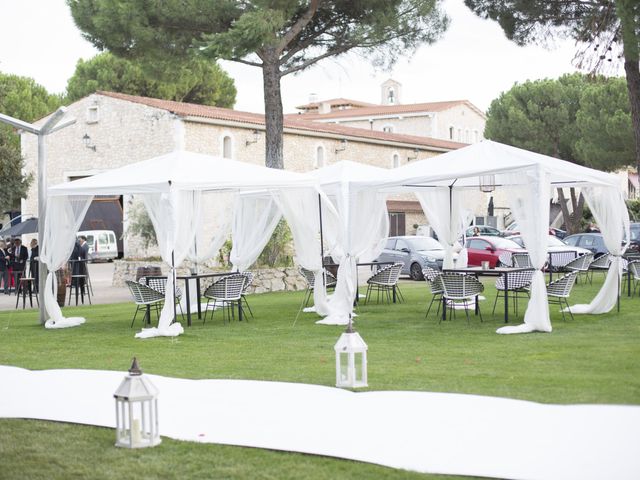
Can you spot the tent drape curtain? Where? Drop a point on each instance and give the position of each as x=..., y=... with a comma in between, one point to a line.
x=63, y=219
x=443, y=208
x=300, y=208
x=362, y=229
x=255, y=217
x=610, y=212
x=528, y=193
x=175, y=216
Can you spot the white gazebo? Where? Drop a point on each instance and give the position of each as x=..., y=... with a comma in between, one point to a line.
x=440, y=185
x=175, y=188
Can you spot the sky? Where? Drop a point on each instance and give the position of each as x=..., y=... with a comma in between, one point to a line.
x=472, y=61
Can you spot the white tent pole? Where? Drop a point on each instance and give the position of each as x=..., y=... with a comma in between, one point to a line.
x=52, y=125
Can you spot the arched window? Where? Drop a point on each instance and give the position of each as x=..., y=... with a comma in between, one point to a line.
x=395, y=160
x=226, y=147
x=451, y=130
x=467, y=138
x=319, y=163
x=476, y=137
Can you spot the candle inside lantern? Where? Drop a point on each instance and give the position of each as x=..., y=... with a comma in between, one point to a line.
x=136, y=436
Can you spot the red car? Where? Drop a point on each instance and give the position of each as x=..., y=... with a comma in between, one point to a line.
x=480, y=249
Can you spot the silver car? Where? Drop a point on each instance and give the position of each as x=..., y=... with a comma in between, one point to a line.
x=415, y=252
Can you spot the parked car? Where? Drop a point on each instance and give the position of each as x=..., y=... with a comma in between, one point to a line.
x=593, y=242
x=554, y=245
x=485, y=230
x=514, y=229
x=102, y=244
x=480, y=249
x=416, y=252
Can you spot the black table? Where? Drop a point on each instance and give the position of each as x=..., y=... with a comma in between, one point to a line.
x=489, y=272
x=187, y=278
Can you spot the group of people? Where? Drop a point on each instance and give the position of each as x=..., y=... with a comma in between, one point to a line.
x=14, y=258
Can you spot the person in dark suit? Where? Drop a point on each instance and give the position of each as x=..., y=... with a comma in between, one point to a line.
x=33, y=261
x=20, y=255
x=4, y=267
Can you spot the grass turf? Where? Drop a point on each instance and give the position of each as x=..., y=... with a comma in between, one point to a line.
x=592, y=359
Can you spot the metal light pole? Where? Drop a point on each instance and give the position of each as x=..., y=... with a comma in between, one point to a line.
x=53, y=124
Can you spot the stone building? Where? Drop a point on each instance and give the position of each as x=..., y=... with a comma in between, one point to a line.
x=114, y=129
x=455, y=120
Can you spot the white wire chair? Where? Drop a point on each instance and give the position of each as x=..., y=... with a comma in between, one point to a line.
x=579, y=265
x=247, y=284
x=310, y=278
x=516, y=283
x=384, y=282
x=432, y=277
x=226, y=292
x=145, y=297
x=634, y=269
x=559, y=290
x=505, y=259
x=600, y=264
x=461, y=289
x=521, y=260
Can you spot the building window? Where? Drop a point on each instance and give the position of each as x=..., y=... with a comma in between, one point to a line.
x=476, y=137
x=460, y=135
x=467, y=138
x=227, y=147
x=388, y=128
x=451, y=130
x=92, y=114
x=319, y=163
x=391, y=96
x=395, y=160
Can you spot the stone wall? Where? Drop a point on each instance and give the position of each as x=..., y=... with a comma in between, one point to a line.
x=265, y=280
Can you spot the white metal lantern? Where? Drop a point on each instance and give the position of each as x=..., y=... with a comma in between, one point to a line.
x=136, y=411
x=487, y=183
x=351, y=360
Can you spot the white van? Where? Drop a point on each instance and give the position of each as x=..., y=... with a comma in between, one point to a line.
x=102, y=244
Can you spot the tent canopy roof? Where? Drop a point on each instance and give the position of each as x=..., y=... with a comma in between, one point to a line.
x=352, y=173
x=183, y=170
x=465, y=165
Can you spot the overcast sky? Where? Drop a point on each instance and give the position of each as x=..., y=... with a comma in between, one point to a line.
x=473, y=61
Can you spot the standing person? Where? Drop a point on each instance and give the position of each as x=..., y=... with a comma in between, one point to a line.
x=4, y=267
x=19, y=261
x=476, y=232
x=33, y=261
x=83, y=254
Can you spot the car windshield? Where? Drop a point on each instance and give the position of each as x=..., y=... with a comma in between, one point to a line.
x=556, y=242
x=635, y=232
x=504, y=243
x=424, y=243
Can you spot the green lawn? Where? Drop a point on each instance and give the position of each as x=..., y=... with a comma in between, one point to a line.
x=593, y=359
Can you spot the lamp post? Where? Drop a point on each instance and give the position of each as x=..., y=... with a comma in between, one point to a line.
x=136, y=411
x=351, y=359
x=52, y=125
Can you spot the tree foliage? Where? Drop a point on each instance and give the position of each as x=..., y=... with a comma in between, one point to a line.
x=607, y=31
x=605, y=139
x=279, y=36
x=193, y=81
x=14, y=183
x=577, y=118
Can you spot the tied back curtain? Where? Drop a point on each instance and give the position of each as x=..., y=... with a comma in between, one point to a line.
x=175, y=215
x=362, y=229
x=528, y=193
x=63, y=219
x=255, y=217
x=443, y=208
x=301, y=209
x=610, y=212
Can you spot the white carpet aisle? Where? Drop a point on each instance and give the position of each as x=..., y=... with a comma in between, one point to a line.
x=425, y=432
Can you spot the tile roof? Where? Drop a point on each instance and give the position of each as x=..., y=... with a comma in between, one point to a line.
x=389, y=110
x=295, y=123
x=404, y=206
x=336, y=102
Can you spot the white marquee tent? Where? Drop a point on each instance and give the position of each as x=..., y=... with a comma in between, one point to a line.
x=440, y=186
x=172, y=187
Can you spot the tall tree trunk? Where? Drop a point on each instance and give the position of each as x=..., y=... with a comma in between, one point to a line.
x=571, y=220
x=625, y=10
x=272, y=111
